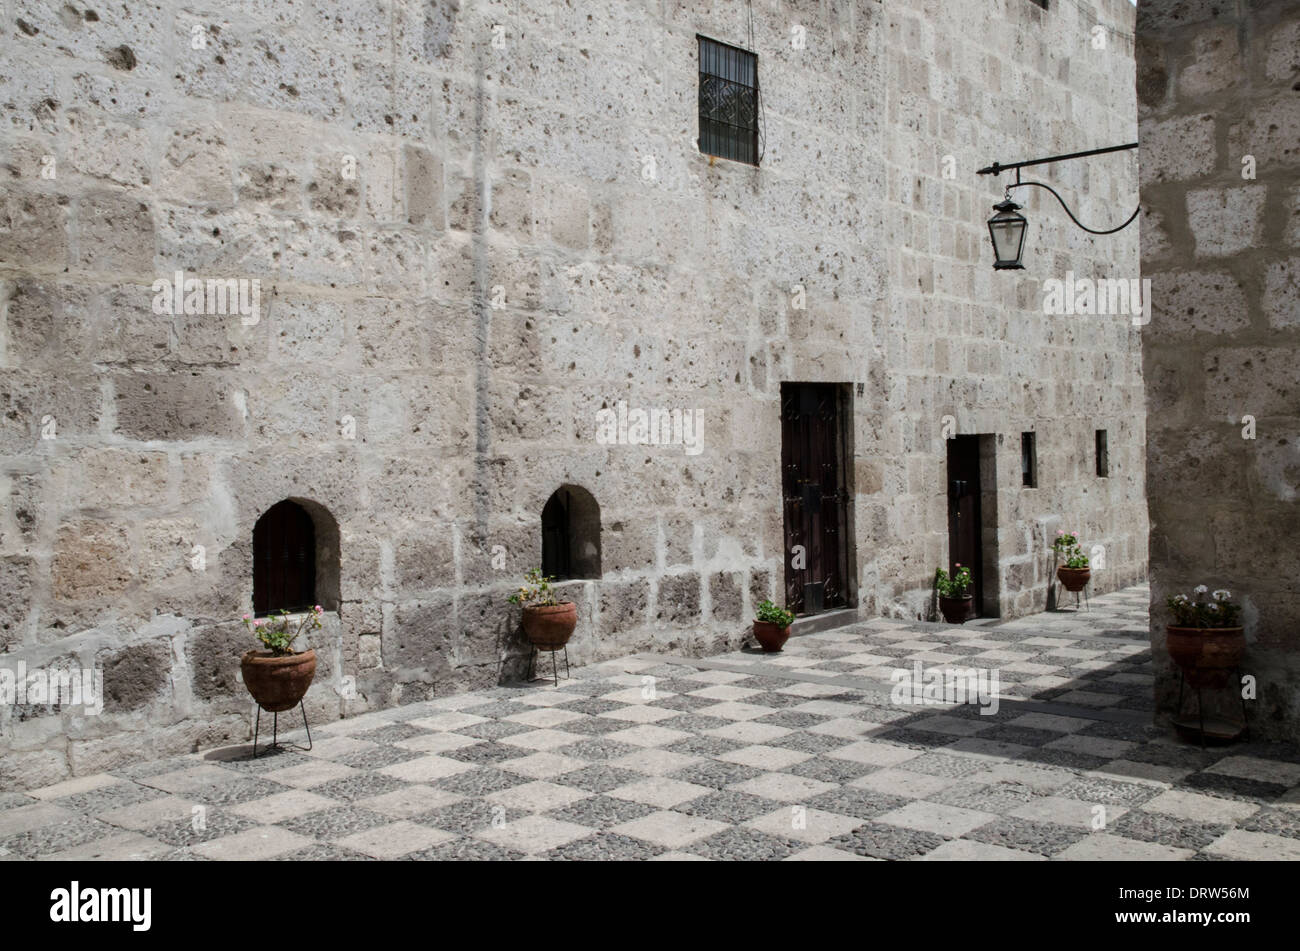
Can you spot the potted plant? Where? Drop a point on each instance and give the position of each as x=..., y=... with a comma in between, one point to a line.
x=956, y=600
x=1073, y=573
x=279, y=676
x=1205, y=639
x=548, y=622
x=772, y=627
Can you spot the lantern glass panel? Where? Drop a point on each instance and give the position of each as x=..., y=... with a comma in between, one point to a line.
x=1007, y=229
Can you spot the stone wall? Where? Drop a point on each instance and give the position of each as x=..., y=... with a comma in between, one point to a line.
x=1002, y=82
x=475, y=224
x=1219, y=98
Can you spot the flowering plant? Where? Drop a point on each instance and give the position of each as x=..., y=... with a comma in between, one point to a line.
x=1068, y=547
x=1196, y=611
x=536, y=591
x=956, y=585
x=278, y=633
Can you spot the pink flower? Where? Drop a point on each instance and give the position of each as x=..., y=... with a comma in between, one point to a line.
x=246, y=617
x=258, y=623
x=319, y=609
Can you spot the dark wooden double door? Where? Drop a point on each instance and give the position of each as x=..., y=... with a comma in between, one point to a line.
x=816, y=495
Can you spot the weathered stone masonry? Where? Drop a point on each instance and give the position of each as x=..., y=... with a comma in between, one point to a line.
x=1219, y=96
x=475, y=224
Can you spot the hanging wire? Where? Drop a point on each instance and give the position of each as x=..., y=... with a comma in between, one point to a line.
x=758, y=92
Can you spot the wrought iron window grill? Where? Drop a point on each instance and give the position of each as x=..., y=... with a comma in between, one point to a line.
x=729, y=102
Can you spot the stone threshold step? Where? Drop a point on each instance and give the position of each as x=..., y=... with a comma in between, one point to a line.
x=826, y=621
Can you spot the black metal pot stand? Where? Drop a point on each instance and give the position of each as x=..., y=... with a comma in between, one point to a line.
x=532, y=662
x=275, y=732
x=1184, y=723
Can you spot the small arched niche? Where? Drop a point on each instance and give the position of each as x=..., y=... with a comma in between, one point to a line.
x=295, y=558
x=571, y=534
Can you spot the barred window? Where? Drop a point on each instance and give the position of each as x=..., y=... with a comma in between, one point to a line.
x=728, y=101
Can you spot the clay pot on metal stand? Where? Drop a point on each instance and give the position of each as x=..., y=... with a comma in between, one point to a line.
x=278, y=683
x=1206, y=656
x=1074, y=580
x=548, y=627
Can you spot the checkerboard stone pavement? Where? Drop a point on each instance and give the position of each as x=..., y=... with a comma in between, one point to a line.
x=794, y=756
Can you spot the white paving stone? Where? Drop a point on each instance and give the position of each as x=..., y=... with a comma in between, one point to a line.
x=394, y=840
x=670, y=829
x=264, y=842
x=805, y=825
x=662, y=792
x=934, y=817
x=1101, y=847
x=1240, y=844
x=968, y=850
x=1198, y=808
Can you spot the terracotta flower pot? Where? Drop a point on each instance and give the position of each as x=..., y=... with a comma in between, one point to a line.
x=278, y=683
x=1074, y=579
x=771, y=636
x=957, y=610
x=1207, y=655
x=549, y=627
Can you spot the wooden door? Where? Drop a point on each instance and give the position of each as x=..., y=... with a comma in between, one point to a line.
x=965, y=542
x=815, y=495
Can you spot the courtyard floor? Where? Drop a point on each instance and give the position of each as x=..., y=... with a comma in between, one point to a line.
x=797, y=755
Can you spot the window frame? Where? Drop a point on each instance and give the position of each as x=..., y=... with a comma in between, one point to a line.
x=1029, y=454
x=285, y=541
x=557, y=556
x=571, y=534
x=737, y=66
x=1101, y=453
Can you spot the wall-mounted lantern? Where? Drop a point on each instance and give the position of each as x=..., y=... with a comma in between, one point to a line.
x=1007, y=227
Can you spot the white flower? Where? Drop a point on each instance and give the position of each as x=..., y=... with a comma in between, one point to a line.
x=1181, y=599
x=1222, y=595
x=1213, y=607
x=1200, y=589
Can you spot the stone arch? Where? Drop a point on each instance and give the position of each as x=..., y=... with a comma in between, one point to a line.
x=295, y=557
x=571, y=534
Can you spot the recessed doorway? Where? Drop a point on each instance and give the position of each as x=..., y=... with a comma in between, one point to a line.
x=972, y=516
x=817, y=495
